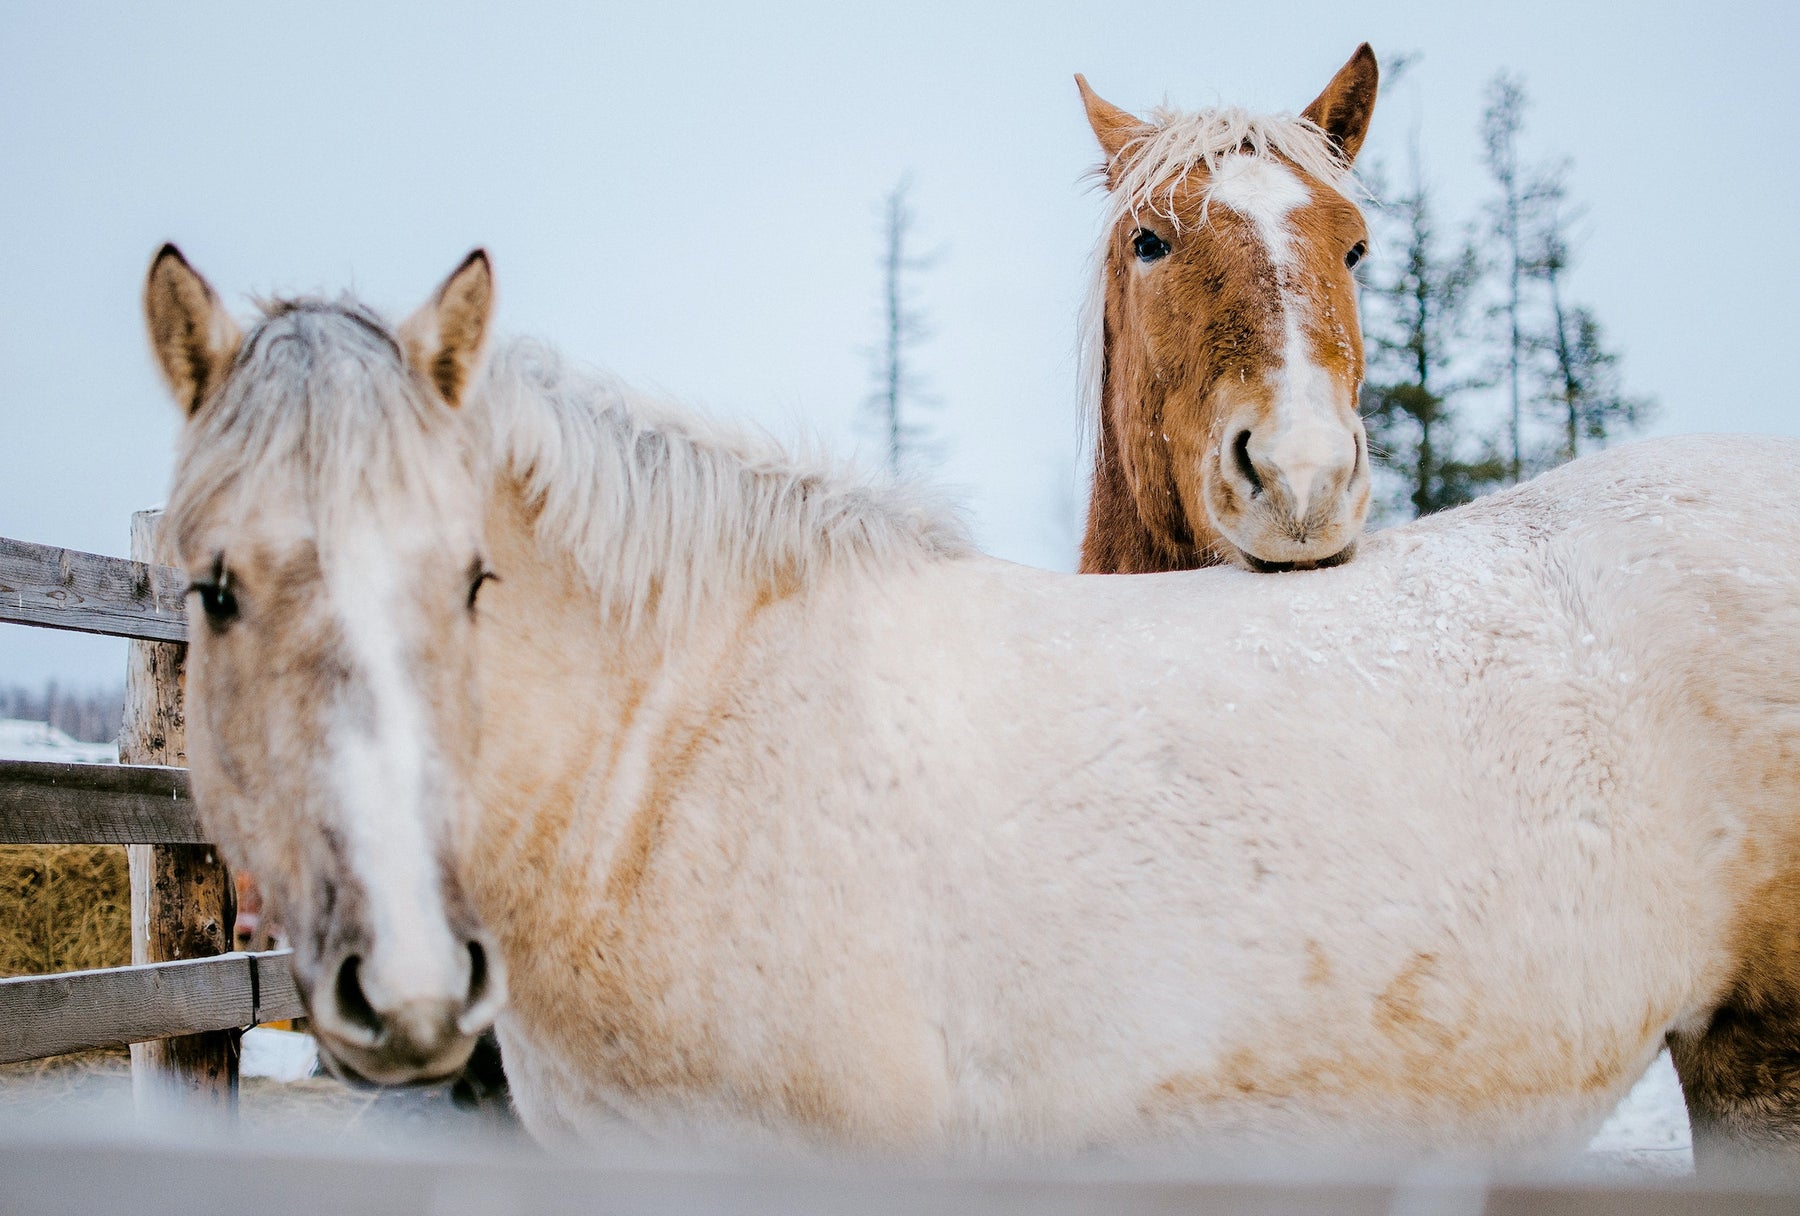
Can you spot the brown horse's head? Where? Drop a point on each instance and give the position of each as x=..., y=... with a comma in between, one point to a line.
x=1224, y=352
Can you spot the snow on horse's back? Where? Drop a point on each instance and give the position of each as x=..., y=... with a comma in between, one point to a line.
x=753, y=802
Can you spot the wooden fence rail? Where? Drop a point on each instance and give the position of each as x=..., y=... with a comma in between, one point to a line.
x=48, y=1015
x=66, y=589
x=95, y=804
x=185, y=998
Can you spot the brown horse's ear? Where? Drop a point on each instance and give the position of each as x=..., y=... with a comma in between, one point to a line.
x=192, y=335
x=444, y=339
x=1113, y=127
x=1344, y=109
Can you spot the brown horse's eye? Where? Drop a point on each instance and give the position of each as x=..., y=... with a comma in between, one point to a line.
x=1148, y=246
x=1356, y=253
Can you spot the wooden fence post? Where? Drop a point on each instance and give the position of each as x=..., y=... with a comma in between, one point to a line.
x=182, y=902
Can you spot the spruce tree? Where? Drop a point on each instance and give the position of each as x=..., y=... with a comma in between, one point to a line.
x=1416, y=306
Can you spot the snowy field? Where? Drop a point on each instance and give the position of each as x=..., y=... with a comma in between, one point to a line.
x=1649, y=1130
x=21, y=739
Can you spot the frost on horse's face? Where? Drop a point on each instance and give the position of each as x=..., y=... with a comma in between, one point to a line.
x=1223, y=352
x=335, y=571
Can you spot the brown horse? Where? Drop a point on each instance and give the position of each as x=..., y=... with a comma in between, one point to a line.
x=1222, y=347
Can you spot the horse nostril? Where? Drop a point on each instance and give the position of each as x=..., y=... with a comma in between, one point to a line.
x=478, y=973
x=487, y=988
x=352, y=1003
x=1240, y=452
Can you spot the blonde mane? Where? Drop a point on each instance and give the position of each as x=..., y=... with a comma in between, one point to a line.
x=658, y=506
x=1157, y=163
x=661, y=507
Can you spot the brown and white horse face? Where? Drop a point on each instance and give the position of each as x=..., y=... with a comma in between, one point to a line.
x=1232, y=352
x=332, y=720
x=1236, y=360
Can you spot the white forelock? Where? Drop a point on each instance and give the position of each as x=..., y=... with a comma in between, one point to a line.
x=1174, y=144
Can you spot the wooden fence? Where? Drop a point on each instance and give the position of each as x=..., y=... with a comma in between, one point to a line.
x=187, y=996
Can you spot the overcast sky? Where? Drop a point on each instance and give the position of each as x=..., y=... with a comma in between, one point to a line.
x=690, y=197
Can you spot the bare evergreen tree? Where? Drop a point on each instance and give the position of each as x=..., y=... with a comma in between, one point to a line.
x=1416, y=305
x=1501, y=123
x=903, y=328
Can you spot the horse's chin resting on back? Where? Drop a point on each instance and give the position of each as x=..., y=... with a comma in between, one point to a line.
x=763, y=806
x=1222, y=348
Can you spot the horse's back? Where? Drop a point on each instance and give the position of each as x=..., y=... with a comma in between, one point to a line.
x=1576, y=695
x=1341, y=848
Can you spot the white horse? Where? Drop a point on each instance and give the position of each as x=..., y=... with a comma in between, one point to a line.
x=748, y=798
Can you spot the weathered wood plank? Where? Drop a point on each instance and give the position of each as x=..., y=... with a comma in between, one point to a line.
x=68, y=589
x=51, y=803
x=183, y=903
x=49, y=1015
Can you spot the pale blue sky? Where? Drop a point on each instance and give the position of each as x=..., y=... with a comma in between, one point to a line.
x=690, y=198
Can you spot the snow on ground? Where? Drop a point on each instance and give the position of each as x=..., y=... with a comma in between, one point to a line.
x=280, y=1055
x=24, y=740
x=1649, y=1129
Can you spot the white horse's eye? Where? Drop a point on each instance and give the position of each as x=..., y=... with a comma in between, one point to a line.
x=216, y=598
x=479, y=574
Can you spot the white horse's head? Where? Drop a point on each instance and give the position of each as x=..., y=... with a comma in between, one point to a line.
x=327, y=509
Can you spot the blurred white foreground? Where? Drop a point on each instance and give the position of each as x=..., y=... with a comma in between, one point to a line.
x=1648, y=1132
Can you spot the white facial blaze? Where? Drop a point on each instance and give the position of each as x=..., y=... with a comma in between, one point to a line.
x=1308, y=440
x=380, y=772
x=1264, y=192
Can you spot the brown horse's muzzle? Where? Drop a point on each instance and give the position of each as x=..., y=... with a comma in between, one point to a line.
x=1290, y=497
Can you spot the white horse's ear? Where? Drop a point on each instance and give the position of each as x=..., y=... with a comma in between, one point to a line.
x=444, y=340
x=1113, y=127
x=192, y=335
x=1344, y=109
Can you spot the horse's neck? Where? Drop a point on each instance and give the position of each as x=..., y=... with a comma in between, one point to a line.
x=573, y=698
x=1117, y=540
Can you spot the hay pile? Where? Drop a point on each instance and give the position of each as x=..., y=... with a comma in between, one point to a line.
x=64, y=907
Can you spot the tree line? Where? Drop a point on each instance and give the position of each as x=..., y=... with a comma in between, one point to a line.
x=1452, y=321
x=91, y=715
